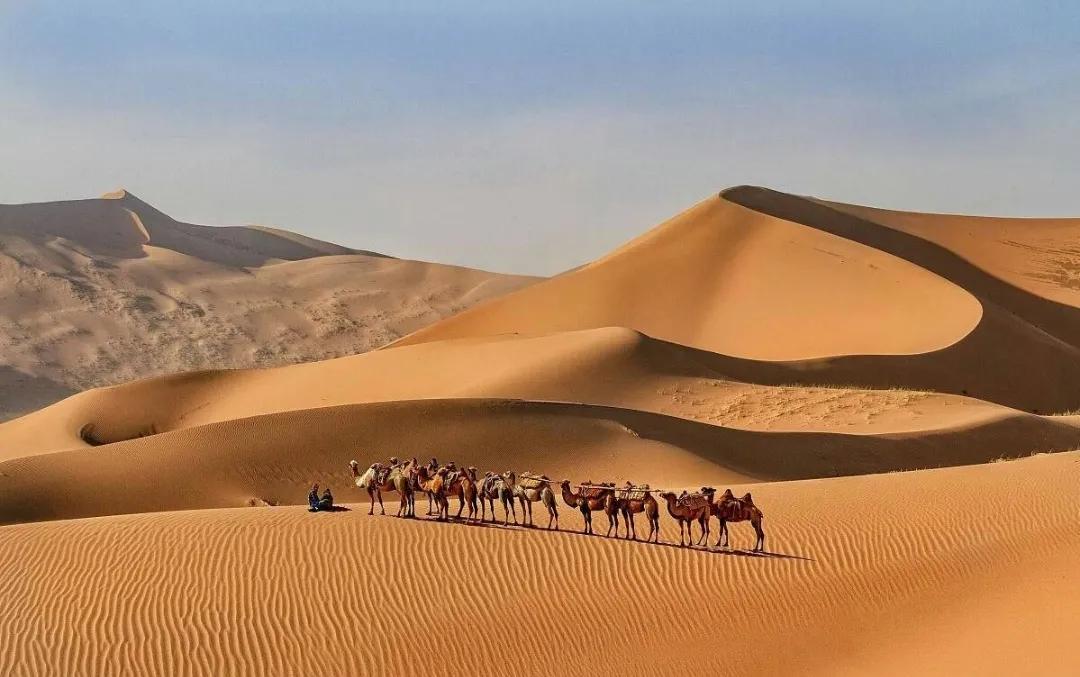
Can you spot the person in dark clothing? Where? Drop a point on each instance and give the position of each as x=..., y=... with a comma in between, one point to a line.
x=327, y=500
x=313, y=498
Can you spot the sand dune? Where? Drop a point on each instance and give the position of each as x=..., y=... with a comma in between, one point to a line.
x=608, y=367
x=761, y=275
x=107, y=290
x=870, y=572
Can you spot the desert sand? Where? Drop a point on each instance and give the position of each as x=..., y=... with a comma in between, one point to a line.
x=107, y=290
x=896, y=389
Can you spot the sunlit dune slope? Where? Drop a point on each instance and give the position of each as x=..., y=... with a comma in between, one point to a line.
x=735, y=281
x=106, y=290
x=955, y=571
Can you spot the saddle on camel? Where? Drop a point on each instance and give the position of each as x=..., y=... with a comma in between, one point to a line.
x=632, y=492
x=528, y=480
x=694, y=501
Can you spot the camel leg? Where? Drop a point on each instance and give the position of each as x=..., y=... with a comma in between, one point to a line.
x=654, y=529
x=631, y=528
x=371, y=501
x=759, y=544
x=704, y=524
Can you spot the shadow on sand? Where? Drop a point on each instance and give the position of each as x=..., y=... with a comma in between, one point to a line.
x=729, y=552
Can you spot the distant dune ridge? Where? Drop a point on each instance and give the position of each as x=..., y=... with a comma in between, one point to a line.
x=801, y=349
x=106, y=290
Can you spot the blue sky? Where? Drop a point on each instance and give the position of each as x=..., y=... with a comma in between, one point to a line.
x=531, y=137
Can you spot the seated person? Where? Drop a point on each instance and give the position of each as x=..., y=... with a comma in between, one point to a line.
x=313, y=498
x=327, y=500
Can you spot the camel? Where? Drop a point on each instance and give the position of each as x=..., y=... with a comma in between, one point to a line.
x=646, y=504
x=396, y=480
x=435, y=485
x=731, y=509
x=431, y=467
x=686, y=516
x=494, y=487
x=538, y=489
x=463, y=485
x=599, y=500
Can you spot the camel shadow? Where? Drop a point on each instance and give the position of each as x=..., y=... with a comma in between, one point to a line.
x=333, y=508
x=707, y=550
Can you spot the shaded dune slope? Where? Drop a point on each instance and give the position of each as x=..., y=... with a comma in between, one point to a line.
x=1034, y=254
x=879, y=568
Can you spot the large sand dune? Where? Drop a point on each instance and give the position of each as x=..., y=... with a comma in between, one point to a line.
x=757, y=274
x=106, y=290
x=759, y=340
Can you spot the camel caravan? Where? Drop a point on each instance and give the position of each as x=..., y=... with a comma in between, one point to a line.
x=478, y=495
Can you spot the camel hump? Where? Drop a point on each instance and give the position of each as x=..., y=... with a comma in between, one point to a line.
x=747, y=498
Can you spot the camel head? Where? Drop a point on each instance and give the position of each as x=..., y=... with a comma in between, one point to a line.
x=354, y=466
x=667, y=495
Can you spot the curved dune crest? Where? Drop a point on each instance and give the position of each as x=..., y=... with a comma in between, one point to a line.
x=735, y=281
x=612, y=366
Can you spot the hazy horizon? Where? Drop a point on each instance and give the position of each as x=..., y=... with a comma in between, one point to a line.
x=531, y=139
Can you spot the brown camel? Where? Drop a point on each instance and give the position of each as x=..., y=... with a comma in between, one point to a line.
x=637, y=499
x=592, y=497
x=530, y=490
x=431, y=467
x=580, y=503
x=731, y=509
x=376, y=480
x=462, y=483
x=493, y=487
x=689, y=509
x=435, y=485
